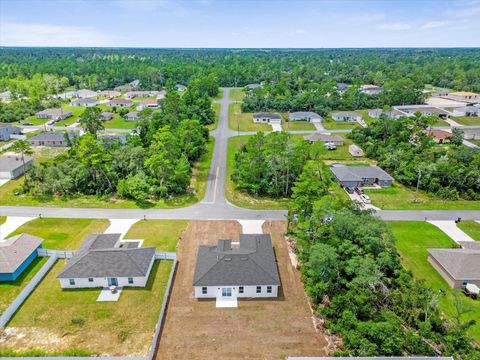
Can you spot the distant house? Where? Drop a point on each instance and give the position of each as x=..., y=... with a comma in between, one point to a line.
x=85, y=93
x=465, y=96
x=110, y=94
x=267, y=118
x=180, y=87
x=253, y=86
x=123, y=88
x=105, y=260
x=11, y=166
x=391, y=114
x=132, y=116
x=121, y=103
x=5, y=96
x=305, y=116
x=334, y=139
x=16, y=253
x=135, y=84
x=54, y=114
x=6, y=130
x=370, y=89
x=87, y=102
x=148, y=104
x=438, y=135
x=52, y=139
x=107, y=139
x=458, y=266
x=355, y=151
x=358, y=176
x=346, y=116
x=140, y=94
x=424, y=110
x=244, y=270
x=106, y=115
x=342, y=87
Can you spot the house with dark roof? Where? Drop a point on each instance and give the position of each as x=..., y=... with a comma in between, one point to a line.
x=52, y=139
x=54, y=114
x=11, y=166
x=105, y=260
x=326, y=138
x=247, y=269
x=107, y=115
x=267, y=118
x=341, y=87
x=6, y=130
x=304, y=116
x=358, y=176
x=16, y=253
x=370, y=89
x=458, y=266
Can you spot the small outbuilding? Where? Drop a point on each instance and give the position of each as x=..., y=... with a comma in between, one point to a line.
x=16, y=253
x=355, y=151
x=107, y=115
x=11, y=166
x=132, y=116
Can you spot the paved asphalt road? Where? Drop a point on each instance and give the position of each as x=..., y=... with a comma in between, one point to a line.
x=214, y=206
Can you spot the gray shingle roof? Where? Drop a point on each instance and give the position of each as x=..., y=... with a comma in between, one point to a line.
x=54, y=112
x=52, y=136
x=346, y=113
x=323, y=138
x=301, y=115
x=460, y=264
x=100, y=256
x=8, y=163
x=15, y=250
x=252, y=263
x=85, y=101
x=357, y=173
x=267, y=115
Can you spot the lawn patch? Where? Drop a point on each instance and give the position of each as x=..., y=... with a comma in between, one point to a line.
x=471, y=228
x=238, y=120
x=163, y=234
x=467, y=120
x=297, y=125
x=237, y=94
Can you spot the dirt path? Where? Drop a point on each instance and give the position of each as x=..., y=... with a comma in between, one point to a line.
x=257, y=329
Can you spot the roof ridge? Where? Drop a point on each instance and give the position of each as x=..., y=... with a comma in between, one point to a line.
x=206, y=272
x=265, y=271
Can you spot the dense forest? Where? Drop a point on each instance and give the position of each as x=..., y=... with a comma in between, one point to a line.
x=404, y=148
x=353, y=275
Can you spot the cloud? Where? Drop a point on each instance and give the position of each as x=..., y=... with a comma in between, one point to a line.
x=433, y=25
x=300, y=32
x=36, y=34
x=395, y=26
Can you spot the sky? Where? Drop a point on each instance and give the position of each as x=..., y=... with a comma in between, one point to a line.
x=240, y=23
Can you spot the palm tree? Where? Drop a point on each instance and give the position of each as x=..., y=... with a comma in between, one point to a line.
x=23, y=148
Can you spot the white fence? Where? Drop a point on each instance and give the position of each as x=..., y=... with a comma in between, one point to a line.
x=165, y=256
x=18, y=137
x=60, y=254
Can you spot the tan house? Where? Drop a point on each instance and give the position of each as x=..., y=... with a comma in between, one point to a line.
x=466, y=96
x=355, y=151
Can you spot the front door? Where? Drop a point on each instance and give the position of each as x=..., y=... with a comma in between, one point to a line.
x=226, y=292
x=112, y=282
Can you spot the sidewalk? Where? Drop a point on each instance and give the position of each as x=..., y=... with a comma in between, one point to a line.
x=450, y=228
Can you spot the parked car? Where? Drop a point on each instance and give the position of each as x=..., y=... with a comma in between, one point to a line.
x=349, y=190
x=330, y=146
x=365, y=199
x=27, y=124
x=471, y=290
x=358, y=191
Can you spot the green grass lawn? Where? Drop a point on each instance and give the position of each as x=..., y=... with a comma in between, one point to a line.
x=412, y=240
x=476, y=142
x=77, y=111
x=216, y=109
x=245, y=120
x=399, y=197
x=10, y=290
x=119, y=122
x=163, y=234
x=237, y=94
x=471, y=228
x=10, y=194
x=62, y=234
x=297, y=125
x=240, y=198
x=77, y=321
x=466, y=120
x=219, y=95
x=3, y=219
x=339, y=125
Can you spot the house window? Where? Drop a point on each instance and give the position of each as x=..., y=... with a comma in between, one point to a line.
x=259, y=289
x=269, y=289
x=90, y=279
x=130, y=280
x=204, y=290
x=240, y=289
x=72, y=281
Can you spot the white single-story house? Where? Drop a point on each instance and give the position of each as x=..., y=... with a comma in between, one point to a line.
x=356, y=176
x=148, y=104
x=391, y=114
x=110, y=93
x=424, y=110
x=107, y=115
x=6, y=130
x=132, y=116
x=104, y=260
x=120, y=103
x=267, y=118
x=370, y=89
x=85, y=102
x=180, y=87
x=253, y=86
x=346, y=116
x=326, y=138
x=54, y=114
x=11, y=166
x=305, y=116
x=85, y=93
x=52, y=139
x=247, y=269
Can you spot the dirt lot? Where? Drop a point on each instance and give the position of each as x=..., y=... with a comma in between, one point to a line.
x=257, y=329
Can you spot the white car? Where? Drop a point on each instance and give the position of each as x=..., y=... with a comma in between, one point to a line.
x=365, y=199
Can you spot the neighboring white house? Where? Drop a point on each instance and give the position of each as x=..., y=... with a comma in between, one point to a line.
x=305, y=116
x=370, y=89
x=424, y=110
x=120, y=103
x=237, y=270
x=54, y=114
x=104, y=260
x=148, y=104
x=6, y=130
x=132, y=116
x=180, y=87
x=85, y=93
x=87, y=102
x=110, y=93
x=11, y=166
x=253, y=86
x=267, y=118
x=346, y=116
x=5, y=96
x=391, y=114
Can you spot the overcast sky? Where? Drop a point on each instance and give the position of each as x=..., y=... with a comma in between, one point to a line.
x=240, y=23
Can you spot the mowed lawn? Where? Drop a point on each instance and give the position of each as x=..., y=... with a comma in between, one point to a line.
x=59, y=321
x=241, y=198
x=237, y=94
x=471, y=228
x=163, y=234
x=62, y=234
x=118, y=122
x=467, y=120
x=399, y=197
x=412, y=240
x=297, y=125
x=245, y=120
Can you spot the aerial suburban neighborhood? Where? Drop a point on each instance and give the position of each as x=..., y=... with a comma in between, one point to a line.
x=212, y=180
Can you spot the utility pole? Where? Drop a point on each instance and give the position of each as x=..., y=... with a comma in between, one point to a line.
x=418, y=185
x=238, y=124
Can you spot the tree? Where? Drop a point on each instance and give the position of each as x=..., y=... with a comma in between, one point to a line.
x=91, y=120
x=23, y=148
x=457, y=137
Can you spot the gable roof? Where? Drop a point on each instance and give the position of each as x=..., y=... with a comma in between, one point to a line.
x=252, y=263
x=460, y=264
x=323, y=137
x=54, y=112
x=304, y=115
x=15, y=250
x=346, y=113
x=52, y=136
x=114, y=102
x=8, y=163
x=358, y=173
x=267, y=115
x=100, y=256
